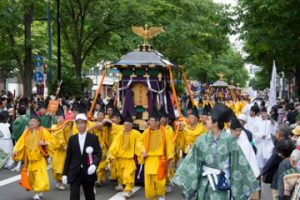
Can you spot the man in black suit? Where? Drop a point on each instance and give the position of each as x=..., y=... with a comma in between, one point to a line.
x=82, y=160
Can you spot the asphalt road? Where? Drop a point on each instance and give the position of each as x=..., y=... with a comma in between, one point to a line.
x=10, y=190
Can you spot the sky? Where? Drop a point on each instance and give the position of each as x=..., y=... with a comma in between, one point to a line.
x=234, y=39
x=232, y=2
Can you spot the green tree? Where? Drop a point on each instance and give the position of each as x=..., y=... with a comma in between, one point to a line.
x=10, y=49
x=16, y=22
x=195, y=37
x=271, y=31
x=196, y=31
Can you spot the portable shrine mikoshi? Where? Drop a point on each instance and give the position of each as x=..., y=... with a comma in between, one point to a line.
x=146, y=80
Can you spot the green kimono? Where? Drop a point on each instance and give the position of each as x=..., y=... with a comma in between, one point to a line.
x=47, y=121
x=223, y=154
x=18, y=126
x=3, y=158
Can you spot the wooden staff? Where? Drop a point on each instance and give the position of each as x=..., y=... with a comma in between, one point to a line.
x=187, y=87
x=58, y=89
x=90, y=116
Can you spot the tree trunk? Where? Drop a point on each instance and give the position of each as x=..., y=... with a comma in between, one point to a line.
x=78, y=66
x=297, y=80
x=28, y=68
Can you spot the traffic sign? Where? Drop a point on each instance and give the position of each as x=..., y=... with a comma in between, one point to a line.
x=38, y=77
x=38, y=61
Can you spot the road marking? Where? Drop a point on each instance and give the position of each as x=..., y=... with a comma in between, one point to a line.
x=10, y=180
x=119, y=195
x=13, y=179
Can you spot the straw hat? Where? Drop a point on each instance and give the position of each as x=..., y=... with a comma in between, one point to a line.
x=296, y=131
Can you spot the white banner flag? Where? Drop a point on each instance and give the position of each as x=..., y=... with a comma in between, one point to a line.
x=272, y=95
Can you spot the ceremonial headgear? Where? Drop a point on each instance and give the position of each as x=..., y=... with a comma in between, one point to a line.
x=189, y=105
x=195, y=111
x=163, y=113
x=206, y=110
x=100, y=101
x=200, y=101
x=33, y=115
x=154, y=114
x=221, y=113
x=128, y=118
x=60, y=111
x=235, y=123
x=102, y=108
x=110, y=103
x=255, y=108
x=263, y=109
x=117, y=112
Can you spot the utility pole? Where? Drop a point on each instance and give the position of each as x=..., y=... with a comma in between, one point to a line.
x=49, y=67
x=58, y=43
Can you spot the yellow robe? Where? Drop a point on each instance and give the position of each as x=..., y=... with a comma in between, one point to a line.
x=113, y=131
x=179, y=142
x=61, y=137
x=190, y=135
x=37, y=164
x=104, y=143
x=170, y=170
x=122, y=150
x=153, y=186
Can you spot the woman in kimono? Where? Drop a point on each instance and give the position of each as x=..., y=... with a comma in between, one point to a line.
x=214, y=154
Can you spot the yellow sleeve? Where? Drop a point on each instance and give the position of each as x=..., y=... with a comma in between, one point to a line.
x=50, y=140
x=202, y=129
x=19, y=147
x=181, y=140
x=67, y=133
x=169, y=143
x=116, y=128
x=74, y=129
x=113, y=149
x=139, y=145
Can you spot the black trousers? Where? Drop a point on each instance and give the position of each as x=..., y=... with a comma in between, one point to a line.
x=88, y=187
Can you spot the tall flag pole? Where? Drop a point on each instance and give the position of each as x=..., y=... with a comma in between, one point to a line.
x=272, y=95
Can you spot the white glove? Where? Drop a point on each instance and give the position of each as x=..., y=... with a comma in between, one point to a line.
x=64, y=180
x=91, y=170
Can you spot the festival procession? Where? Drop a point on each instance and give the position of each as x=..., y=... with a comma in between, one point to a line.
x=115, y=100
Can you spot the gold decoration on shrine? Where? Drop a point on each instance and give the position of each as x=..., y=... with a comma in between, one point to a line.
x=147, y=33
x=159, y=76
x=140, y=97
x=221, y=76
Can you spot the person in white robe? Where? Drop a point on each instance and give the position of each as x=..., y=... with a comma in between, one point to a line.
x=252, y=119
x=244, y=143
x=263, y=139
x=6, y=143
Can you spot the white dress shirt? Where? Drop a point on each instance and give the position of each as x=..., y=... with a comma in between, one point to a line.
x=81, y=138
